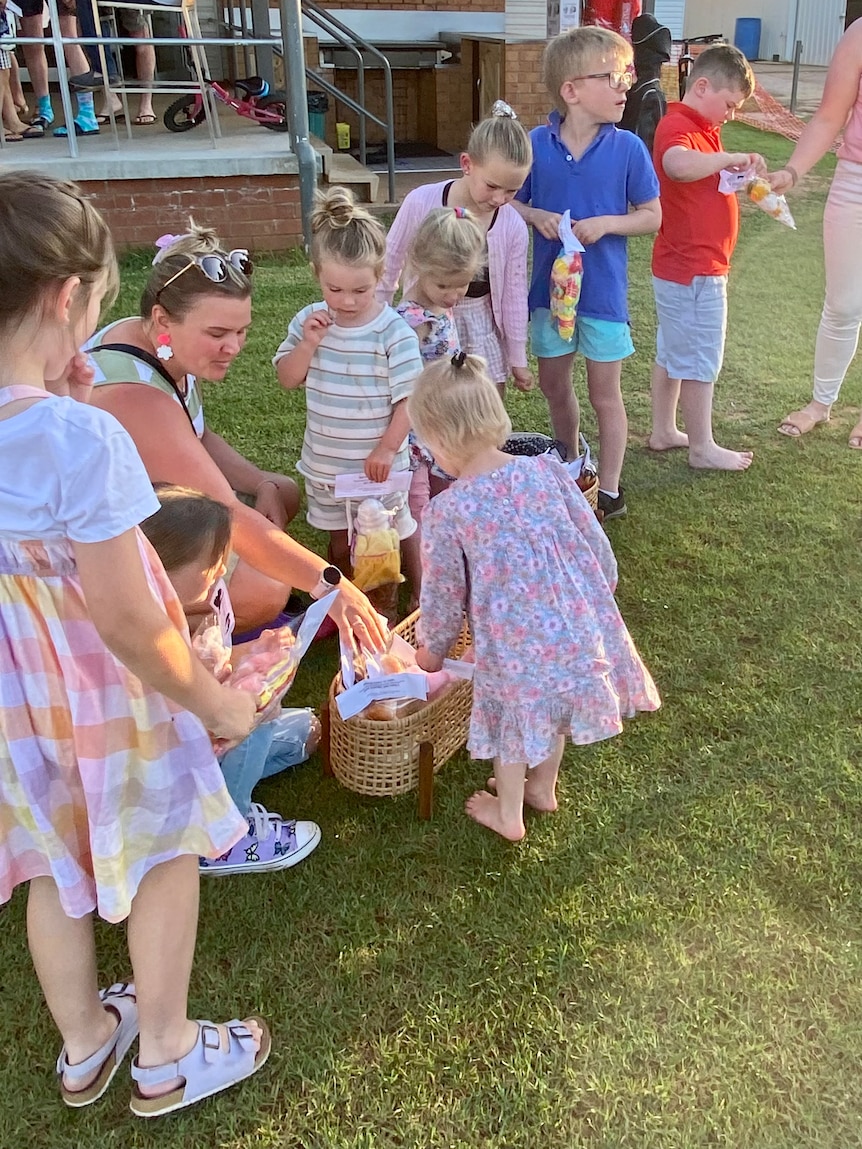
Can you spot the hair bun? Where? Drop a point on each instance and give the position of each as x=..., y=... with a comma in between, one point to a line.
x=501, y=108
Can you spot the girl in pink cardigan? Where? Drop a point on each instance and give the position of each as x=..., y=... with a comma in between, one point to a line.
x=492, y=318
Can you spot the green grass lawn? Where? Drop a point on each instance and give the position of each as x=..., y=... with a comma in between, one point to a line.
x=674, y=959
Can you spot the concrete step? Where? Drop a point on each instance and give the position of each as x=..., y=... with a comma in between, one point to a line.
x=342, y=168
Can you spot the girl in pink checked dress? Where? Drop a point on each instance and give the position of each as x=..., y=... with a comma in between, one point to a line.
x=109, y=789
x=515, y=544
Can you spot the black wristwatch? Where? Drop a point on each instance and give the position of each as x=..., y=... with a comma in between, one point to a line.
x=329, y=579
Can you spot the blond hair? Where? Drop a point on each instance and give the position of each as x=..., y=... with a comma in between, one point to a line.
x=455, y=407
x=49, y=232
x=500, y=136
x=725, y=67
x=180, y=296
x=576, y=53
x=447, y=242
x=344, y=232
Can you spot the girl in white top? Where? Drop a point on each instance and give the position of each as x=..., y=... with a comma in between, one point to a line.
x=357, y=360
x=109, y=790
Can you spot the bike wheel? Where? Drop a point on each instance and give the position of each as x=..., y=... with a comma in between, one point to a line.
x=180, y=116
x=275, y=102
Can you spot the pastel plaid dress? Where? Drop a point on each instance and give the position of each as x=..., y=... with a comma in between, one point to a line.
x=101, y=778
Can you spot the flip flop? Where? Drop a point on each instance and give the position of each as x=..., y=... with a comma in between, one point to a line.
x=33, y=133
x=206, y=1069
x=119, y=118
x=120, y=999
x=13, y=137
x=144, y=121
x=801, y=423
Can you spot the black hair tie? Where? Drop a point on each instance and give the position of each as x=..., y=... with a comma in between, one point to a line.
x=459, y=359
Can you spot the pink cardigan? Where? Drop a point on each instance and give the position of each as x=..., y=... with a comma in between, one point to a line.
x=507, y=264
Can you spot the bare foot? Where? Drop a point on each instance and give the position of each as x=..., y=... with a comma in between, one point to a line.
x=534, y=796
x=484, y=808
x=855, y=440
x=194, y=1033
x=668, y=442
x=715, y=458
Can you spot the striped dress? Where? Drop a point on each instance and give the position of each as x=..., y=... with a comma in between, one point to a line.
x=101, y=778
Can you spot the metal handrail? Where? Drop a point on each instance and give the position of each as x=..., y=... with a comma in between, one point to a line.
x=352, y=40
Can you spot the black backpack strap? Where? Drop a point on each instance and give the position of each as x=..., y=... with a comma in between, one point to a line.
x=151, y=361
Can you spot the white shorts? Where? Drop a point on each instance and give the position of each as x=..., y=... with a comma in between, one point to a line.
x=692, y=326
x=330, y=514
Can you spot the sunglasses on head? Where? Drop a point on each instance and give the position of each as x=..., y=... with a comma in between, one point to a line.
x=215, y=265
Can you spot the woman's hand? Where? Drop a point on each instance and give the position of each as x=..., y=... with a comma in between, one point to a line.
x=276, y=497
x=76, y=381
x=427, y=661
x=523, y=378
x=234, y=717
x=357, y=619
x=781, y=181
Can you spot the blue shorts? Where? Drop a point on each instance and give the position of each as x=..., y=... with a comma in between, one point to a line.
x=692, y=325
x=601, y=340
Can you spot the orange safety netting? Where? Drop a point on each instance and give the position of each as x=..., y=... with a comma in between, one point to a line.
x=772, y=116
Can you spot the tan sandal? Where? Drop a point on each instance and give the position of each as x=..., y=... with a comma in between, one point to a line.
x=855, y=440
x=799, y=423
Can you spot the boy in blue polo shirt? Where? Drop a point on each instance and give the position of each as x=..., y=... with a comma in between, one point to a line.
x=605, y=177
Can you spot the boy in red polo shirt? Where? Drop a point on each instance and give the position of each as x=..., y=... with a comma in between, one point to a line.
x=691, y=256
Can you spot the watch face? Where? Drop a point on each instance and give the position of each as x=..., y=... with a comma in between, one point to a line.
x=331, y=575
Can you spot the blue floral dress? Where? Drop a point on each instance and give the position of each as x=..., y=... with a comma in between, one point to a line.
x=522, y=552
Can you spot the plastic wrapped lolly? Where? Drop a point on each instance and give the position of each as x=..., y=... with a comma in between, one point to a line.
x=566, y=276
x=761, y=193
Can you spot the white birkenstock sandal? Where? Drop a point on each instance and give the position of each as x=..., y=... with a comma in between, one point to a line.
x=206, y=1069
x=120, y=999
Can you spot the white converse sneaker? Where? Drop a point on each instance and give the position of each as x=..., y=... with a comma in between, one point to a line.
x=272, y=843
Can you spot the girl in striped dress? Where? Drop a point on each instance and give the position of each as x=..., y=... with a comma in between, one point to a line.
x=109, y=790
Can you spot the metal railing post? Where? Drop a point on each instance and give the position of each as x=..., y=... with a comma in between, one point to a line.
x=297, y=109
x=794, y=87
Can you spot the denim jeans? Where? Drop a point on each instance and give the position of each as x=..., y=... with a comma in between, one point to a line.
x=271, y=748
x=88, y=28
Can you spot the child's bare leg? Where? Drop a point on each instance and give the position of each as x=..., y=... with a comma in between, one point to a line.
x=606, y=398
x=502, y=812
x=411, y=563
x=64, y=956
x=695, y=403
x=555, y=382
x=18, y=96
x=11, y=120
x=339, y=551
x=665, y=435
x=540, y=786
x=145, y=66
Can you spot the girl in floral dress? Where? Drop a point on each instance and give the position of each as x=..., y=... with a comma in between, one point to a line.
x=109, y=789
x=515, y=544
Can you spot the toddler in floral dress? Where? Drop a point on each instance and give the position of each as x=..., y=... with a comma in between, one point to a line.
x=446, y=254
x=515, y=544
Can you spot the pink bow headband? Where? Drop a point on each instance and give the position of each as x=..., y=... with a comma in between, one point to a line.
x=164, y=243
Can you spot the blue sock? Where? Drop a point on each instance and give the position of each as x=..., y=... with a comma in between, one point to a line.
x=86, y=117
x=44, y=109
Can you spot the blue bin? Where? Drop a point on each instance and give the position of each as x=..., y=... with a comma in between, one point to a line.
x=746, y=37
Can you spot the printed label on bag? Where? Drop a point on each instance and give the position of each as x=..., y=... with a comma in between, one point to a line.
x=358, y=486
x=354, y=700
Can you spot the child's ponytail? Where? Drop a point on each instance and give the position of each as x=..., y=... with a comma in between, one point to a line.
x=343, y=231
x=501, y=136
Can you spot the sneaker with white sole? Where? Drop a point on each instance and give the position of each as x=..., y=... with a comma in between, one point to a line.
x=272, y=843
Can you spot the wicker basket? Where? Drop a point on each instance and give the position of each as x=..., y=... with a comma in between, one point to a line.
x=591, y=494
x=381, y=759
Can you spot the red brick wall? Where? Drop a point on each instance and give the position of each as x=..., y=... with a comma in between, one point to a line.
x=258, y=212
x=524, y=89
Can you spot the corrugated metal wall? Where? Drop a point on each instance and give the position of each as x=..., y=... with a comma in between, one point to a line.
x=671, y=13
x=819, y=25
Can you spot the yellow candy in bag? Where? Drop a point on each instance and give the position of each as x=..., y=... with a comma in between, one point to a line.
x=567, y=275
